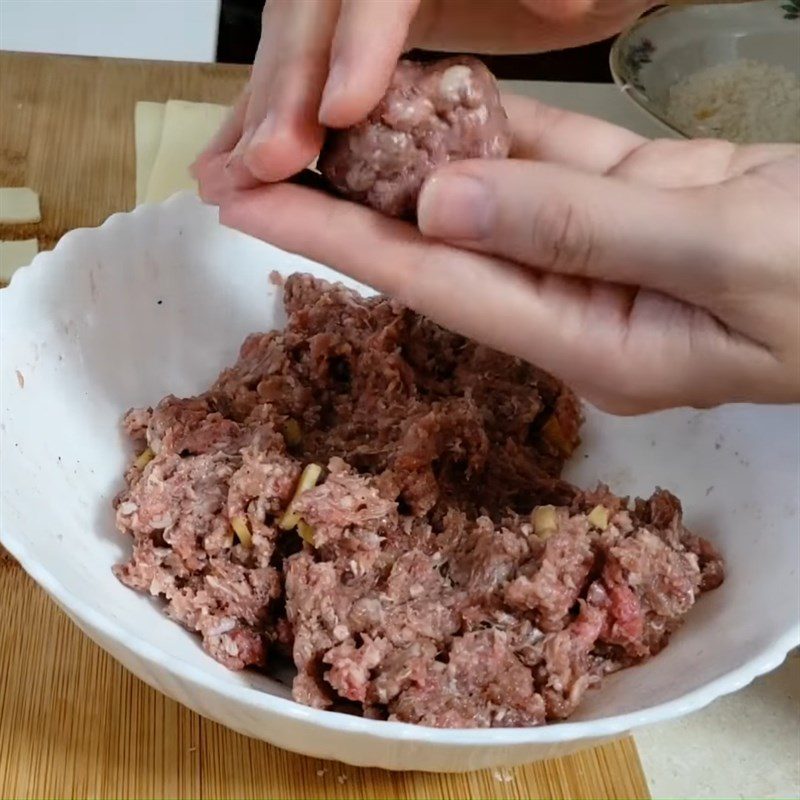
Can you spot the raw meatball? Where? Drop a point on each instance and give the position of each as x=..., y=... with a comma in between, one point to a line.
x=431, y=114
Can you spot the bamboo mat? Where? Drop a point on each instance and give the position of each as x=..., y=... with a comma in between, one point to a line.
x=73, y=723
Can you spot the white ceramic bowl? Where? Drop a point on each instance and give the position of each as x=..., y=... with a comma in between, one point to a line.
x=664, y=47
x=157, y=301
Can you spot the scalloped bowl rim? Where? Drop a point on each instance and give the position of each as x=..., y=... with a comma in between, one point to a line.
x=561, y=732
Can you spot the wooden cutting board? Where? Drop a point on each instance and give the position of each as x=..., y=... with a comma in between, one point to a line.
x=73, y=723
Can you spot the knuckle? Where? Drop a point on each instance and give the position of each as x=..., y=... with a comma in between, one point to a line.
x=562, y=237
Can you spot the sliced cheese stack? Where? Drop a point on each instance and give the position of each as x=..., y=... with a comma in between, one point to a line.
x=18, y=206
x=169, y=137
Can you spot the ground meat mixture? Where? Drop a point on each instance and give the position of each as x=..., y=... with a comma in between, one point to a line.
x=381, y=500
x=431, y=114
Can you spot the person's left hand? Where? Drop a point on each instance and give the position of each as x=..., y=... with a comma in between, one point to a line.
x=646, y=274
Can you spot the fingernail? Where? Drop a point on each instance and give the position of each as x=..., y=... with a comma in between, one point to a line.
x=455, y=206
x=333, y=86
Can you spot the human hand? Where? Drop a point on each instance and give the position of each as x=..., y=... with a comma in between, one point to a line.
x=329, y=62
x=646, y=274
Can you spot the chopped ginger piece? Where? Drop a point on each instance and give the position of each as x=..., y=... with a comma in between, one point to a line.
x=598, y=517
x=308, y=479
x=306, y=532
x=544, y=521
x=239, y=525
x=146, y=456
x=292, y=433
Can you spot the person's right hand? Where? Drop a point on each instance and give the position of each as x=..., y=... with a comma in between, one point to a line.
x=329, y=62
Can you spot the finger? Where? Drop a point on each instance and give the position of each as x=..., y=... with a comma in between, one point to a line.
x=702, y=162
x=466, y=292
x=231, y=172
x=281, y=131
x=752, y=156
x=294, y=211
x=543, y=317
x=561, y=220
x=368, y=42
x=545, y=133
x=213, y=170
x=627, y=352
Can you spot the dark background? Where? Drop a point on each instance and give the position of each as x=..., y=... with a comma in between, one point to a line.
x=240, y=27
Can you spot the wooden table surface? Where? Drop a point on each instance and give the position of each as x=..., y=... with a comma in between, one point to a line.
x=73, y=723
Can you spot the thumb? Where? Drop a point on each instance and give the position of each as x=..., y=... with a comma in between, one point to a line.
x=559, y=219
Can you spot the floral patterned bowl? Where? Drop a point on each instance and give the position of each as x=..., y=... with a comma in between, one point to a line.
x=664, y=47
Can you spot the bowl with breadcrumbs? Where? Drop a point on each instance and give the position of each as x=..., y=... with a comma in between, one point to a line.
x=724, y=71
x=317, y=517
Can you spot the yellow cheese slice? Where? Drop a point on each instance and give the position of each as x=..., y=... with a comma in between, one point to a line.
x=148, y=123
x=186, y=131
x=19, y=204
x=14, y=255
